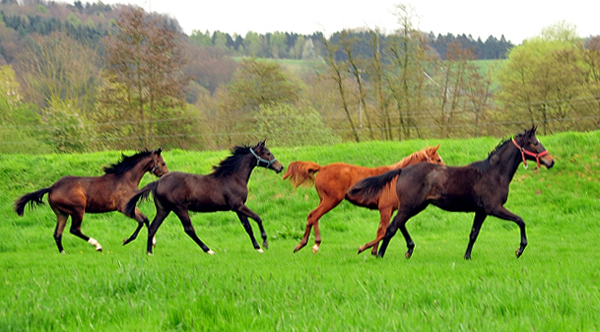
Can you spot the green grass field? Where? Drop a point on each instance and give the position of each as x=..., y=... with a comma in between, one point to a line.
x=554, y=286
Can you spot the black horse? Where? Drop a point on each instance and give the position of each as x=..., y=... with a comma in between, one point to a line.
x=225, y=189
x=481, y=187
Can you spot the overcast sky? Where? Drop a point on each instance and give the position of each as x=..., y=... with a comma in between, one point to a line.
x=515, y=19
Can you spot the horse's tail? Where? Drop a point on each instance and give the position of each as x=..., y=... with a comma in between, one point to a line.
x=302, y=173
x=140, y=194
x=367, y=190
x=34, y=197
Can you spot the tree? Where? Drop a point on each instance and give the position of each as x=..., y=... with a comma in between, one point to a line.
x=286, y=125
x=144, y=59
x=542, y=77
x=57, y=67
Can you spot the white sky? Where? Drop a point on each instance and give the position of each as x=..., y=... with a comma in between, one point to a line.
x=515, y=19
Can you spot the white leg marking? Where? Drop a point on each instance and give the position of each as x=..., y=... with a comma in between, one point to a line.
x=260, y=250
x=154, y=241
x=315, y=248
x=95, y=243
x=210, y=252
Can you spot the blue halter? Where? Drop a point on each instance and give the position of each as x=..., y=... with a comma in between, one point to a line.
x=259, y=159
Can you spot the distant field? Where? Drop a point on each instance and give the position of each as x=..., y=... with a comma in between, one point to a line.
x=554, y=286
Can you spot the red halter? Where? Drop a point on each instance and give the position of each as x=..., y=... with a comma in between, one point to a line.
x=529, y=153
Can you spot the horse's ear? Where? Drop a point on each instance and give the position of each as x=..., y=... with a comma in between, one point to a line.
x=158, y=151
x=262, y=143
x=434, y=149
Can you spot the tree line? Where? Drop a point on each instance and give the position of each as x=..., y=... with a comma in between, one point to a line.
x=143, y=83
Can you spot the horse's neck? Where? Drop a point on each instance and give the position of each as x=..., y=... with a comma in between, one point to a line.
x=411, y=159
x=245, y=168
x=136, y=173
x=507, y=163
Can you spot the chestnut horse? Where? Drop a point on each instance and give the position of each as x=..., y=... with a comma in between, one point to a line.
x=480, y=187
x=75, y=195
x=332, y=182
x=225, y=189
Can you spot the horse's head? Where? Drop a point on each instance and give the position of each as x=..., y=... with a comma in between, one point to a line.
x=532, y=149
x=432, y=155
x=159, y=166
x=265, y=158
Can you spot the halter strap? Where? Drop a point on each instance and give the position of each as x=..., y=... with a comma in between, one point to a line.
x=259, y=159
x=529, y=153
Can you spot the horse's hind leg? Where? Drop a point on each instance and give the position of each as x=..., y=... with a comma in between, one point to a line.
x=76, y=219
x=161, y=214
x=58, y=231
x=184, y=216
x=399, y=222
x=325, y=206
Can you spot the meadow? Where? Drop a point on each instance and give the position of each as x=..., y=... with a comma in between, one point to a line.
x=553, y=286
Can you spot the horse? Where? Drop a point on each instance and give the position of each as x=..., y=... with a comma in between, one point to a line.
x=75, y=195
x=480, y=187
x=225, y=189
x=332, y=182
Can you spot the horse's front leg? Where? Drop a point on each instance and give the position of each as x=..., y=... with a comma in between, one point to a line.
x=245, y=212
x=385, y=215
x=477, y=222
x=502, y=213
x=142, y=220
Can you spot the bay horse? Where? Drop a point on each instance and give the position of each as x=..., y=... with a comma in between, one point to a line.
x=225, y=189
x=480, y=187
x=75, y=195
x=333, y=180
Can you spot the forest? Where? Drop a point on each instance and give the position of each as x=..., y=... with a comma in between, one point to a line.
x=90, y=77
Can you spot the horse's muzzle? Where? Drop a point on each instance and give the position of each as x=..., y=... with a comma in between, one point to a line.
x=277, y=167
x=547, y=161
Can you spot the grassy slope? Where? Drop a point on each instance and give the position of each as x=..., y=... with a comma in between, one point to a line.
x=553, y=286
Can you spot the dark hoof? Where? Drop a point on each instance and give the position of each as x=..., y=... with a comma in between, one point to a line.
x=265, y=245
x=408, y=254
x=99, y=250
x=518, y=252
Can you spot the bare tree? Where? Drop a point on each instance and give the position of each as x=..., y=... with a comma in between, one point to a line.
x=145, y=60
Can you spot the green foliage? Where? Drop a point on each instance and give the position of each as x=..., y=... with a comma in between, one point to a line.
x=554, y=286
x=66, y=128
x=286, y=125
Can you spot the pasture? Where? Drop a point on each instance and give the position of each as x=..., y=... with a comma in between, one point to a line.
x=553, y=286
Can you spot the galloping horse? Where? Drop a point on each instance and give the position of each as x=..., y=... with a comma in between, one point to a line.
x=332, y=182
x=480, y=187
x=75, y=195
x=225, y=189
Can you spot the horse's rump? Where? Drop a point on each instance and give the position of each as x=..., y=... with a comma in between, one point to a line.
x=302, y=173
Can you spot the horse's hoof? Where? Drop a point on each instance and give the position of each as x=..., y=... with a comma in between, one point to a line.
x=298, y=247
x=99, y=249
x=210, y=252
x=315, y=248
x=63, y=252
x=518, y=252
x=265, y=245
x=360, y=249
x=150, y=253
x=260, y=250
x=408, y=254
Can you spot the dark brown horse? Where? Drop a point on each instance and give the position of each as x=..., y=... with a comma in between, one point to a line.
x=225, y=189
x=333, y=180
x=75, y=195
x=481, y=187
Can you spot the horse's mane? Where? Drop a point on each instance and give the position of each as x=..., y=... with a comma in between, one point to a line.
x=483, y=164
x=412, y=158
x=126, y=163
x=231, y=163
